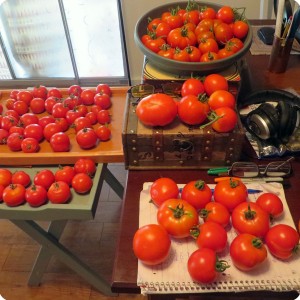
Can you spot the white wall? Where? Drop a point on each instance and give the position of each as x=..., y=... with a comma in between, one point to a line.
x=133, y=9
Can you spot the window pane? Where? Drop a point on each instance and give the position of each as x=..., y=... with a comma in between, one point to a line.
x=4, y=71
x=96, y=38
x=34, y=37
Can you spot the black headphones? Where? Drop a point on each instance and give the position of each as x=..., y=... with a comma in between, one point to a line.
x=269, y=122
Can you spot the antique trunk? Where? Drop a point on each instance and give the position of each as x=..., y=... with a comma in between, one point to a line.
x=176, y=146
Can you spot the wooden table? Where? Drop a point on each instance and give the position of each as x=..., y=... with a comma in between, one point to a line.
x=256, y=76
x=26, y=217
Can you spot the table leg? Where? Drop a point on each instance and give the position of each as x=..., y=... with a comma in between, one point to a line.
x=113, y=182
x=56, y=229
x=54, y=247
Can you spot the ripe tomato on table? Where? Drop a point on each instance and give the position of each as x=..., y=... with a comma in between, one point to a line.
x=14, y=194
x=221, y=98
x=177, y=216
x=82, y=183
x=103, y=133
x=59, y=192
x=36, y=195
x=282, y=241
x=214, y=82
x=44, y=178
x=40, y=91
x=65, y=173
x=60, y=142
x=230, y=193
x=215, y=212
x=156, y=110
x=210, y=235
x=247, y=251
x=151, y=244
x=191, y=110
x=271, y=203
x=14, y=141
x=197, y=193
x=162, y=189
x=21, y=177
x=192, y=86
x=223, y=119
x=85, y=165
x=86, y=138
x=250, y=218
x=5, y=177
x=204, y=266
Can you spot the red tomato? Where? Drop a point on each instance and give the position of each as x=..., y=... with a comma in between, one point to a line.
x=151, y=244
x=12, y=113
x=60, y=142
x=224, y=119
x=63, y=123
x=282, y=241
x=223, y=33
x=152, y=23
x=240, y=29
x=209, y=56
x=29, y=118
x=104, y=88
x=172, y=18
x=215, y=212
x=1, y=192
x=154, y=43
x=204, y=266
x=13, y=94
x=43, y=121
x=4, y=134
x=192, y=16
x=34, y=131
x=197, y=193
x=177, y=216
x=44, y=178
x=103, y=133
x=162, y=30
x=92, y=116
x=207, y=13
x=54, y=92
x=85, y=165
x=15, y=129
x=102, y=100
x=181, y=38
x=103, y=117
x=271, y=203
x=25, y=96
x=20, y=107
x=59, y=110
x=87, y=96
x=5, y=177
x=14, y=194
x=9, y=103
x=72, y=101
x=30, y=145
x=248, y=217
x=86, y=138
x=210, y=235
x=214, y=82
x=194, y=53
x=247, y=252
x=221, y=98
x=7, y=122
x=65, y=173
x=208, y=45
x=36, y=195
x=21, y=177
x=163, y=189
x=74, y=90
x=59, y=192
x=225, y=52
x=50, y=102
x=72, y=115
x=191, y=110
x=14, y=141
x=166, y=51
x=82, y=183
x=234, y=45
x=181, y=55
x=51, y=129
x=37, y=105
x=225, y=14
x=81, y=123
x=230, y=193
x=192, y=86
x=156, y=110
x=40, y=91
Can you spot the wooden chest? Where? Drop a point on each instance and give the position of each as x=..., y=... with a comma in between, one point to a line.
x=176, y=146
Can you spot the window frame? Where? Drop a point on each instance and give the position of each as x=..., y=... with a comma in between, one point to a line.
x=68, y=81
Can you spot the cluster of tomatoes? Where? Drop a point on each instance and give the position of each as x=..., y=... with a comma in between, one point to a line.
x=17, y=188
x=179, y=215
x=28, y=117
x=201, y=103
x=196, y=33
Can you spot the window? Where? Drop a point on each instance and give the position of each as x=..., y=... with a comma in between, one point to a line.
x=62, y=42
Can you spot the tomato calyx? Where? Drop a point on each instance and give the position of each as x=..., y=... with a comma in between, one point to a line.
x=249, y=214
x=257, y=243
x=194, y=232
x=178, y=212
x=204, y=213
x=199, y=184
x=221, y=265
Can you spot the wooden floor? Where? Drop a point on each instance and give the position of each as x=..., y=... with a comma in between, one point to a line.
x=93, y=241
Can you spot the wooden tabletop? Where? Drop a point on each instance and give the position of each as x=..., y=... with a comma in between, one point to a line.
x=255, y=76
x=105, y=152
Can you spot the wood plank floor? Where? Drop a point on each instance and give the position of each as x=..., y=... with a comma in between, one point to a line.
x=93, y=241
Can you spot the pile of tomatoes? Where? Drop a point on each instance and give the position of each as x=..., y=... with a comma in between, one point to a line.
x=17, y=188
x=29, y=117
x=196, y=33
x=206, y=102
x=194, y=211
